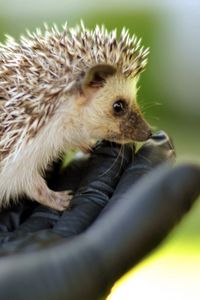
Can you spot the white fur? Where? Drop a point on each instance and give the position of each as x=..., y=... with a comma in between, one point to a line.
x=22, y=174
x=77, y=120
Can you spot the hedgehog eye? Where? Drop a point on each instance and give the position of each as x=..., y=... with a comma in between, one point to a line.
x=120, y=107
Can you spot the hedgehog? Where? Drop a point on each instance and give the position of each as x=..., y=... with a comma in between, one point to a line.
x=62, y=89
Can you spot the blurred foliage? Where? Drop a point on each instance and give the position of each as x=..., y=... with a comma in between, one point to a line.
x=154, y=95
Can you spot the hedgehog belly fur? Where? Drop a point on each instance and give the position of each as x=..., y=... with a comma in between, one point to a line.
x=20, y=175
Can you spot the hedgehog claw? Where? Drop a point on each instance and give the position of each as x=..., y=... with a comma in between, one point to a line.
x=62, y=200
x=56, y=200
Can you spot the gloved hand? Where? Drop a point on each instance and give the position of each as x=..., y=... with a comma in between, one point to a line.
x=124, y=205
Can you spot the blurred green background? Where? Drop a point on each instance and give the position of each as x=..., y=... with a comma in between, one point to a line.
x=169, y=96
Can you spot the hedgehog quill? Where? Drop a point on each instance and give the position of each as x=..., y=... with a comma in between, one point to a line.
x=60, y=90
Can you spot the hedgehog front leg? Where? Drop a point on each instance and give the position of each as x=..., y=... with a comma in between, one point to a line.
x=42, y=194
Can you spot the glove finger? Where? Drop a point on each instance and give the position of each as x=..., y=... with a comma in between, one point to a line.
x=163, y=138
x=12, y=217
x=33, y=217
x=58, y=179
x=143, y=217
x=68, y=178
x=155, y=151
x=87, y=266
x=104, y=169
x=103, y=172
x=158, y=149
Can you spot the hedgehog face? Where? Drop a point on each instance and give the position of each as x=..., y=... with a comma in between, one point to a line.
x=111, y=109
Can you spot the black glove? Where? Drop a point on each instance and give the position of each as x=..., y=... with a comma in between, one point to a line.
x=81, y=253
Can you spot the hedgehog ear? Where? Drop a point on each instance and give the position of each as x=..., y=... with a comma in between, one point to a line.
x=96, y=76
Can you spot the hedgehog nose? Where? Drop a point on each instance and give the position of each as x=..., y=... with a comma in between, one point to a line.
x=142, y=131
x=146, y=134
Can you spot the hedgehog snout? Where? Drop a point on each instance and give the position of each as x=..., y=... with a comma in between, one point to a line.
x=136, y=128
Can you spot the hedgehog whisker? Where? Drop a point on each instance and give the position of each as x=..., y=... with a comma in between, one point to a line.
x=114, y=163
x=144, y=104
x=145, y=158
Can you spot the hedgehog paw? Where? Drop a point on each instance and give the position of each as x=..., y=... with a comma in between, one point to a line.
x=61, y=200
x=56, y=200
